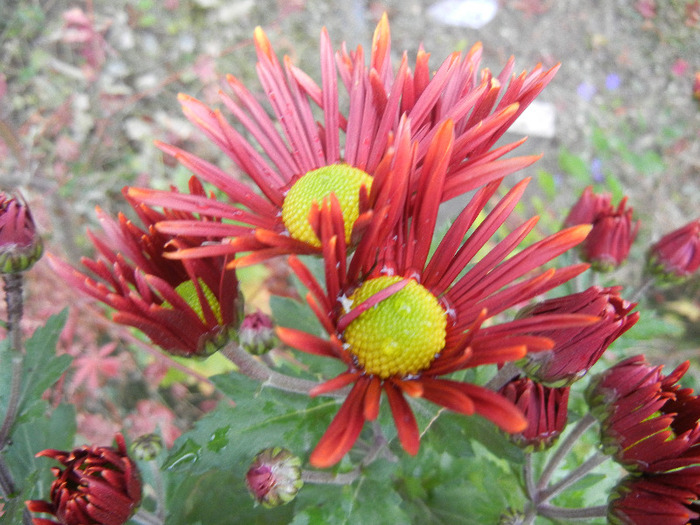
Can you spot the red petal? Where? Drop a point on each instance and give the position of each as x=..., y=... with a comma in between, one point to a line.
x=403, y=417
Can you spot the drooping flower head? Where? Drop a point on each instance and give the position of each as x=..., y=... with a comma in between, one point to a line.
x=677, y=254
x=187, y=307
x=545, y=409
x=577, y=349
x=20, y=244
x=648, y=422
x=294, y=161
x=399, y=319
x=97, y=486
x=610, y=240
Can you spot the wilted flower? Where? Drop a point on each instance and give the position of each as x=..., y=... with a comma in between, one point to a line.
x=274, y=477
x=608, y=244
x=577, y=349
x=20, y=244
x=256, y=334
x=98, y=486
x=187, y=307
x=400, y=320
x=668, y=499
x=544, y=408
x=295, y=161
x=677, y=254
x=648, y=423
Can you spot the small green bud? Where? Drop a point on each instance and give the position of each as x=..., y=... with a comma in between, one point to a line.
x=274, y=477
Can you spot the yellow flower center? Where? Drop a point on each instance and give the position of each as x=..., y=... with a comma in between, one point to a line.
x=188, y=292
x=402, y=334
x=342, y=180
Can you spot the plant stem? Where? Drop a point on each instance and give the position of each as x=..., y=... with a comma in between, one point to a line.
x=641, y=289
x=143, y=517
x=573, y=476
x=564, y=447
x=328, y=478
x=529, y=476
x=13, y=297
x=507, y=372
x=7, y=484
x=251, y=367
x=559, y=513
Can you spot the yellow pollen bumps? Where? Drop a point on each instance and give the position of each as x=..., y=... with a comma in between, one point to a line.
x=341, y=179
x=402, y=334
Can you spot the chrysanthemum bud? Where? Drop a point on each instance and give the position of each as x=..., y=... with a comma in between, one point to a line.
x=274, y=477
x=608, y=244
x=677, y=254
x=99, y=485
x=544, y=408
x=256, y=334
x=20, y=245
x=147, y=447
x=588, y=207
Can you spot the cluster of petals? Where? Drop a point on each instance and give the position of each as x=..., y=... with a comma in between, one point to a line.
x=577, y=349
x=545, y=409
x=399, y=244
x=282, y=150
x=648, y=422
x=97, y=486
x=614, y=231
x=677, y=254
x=133, y=275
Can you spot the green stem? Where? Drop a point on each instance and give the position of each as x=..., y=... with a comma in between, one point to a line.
x=641, y=289
x=143, y=517
x=251, y=367
x=559, y=513
x=564, y=447
x=13, y=297
x=318, y=477
x=507, y=372
x=573, y=476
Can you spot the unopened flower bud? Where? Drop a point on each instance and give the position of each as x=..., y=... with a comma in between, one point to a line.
x=544, y=408
x=274, y=477
x=256, y=334
x=676, y=255
x=98, y=485
x=147, y=447
x=20, y=244
x=608, y=244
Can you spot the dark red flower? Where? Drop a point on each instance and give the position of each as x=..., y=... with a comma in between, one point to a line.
x=677, y=254
x=187, y=307
x=588, y=207
x=577, y=349
x=294, y=161
x=399, y=319
x=668, y=499
x=98, y=486
x=544, y=408
x=648, y=422
x=610, y=240
x=20, y=244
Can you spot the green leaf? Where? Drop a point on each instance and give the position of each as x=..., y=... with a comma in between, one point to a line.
x=56, y=429
x=230, y=436
x=294, y=314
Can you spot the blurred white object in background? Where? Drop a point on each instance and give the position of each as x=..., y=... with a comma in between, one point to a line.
x=464, y=13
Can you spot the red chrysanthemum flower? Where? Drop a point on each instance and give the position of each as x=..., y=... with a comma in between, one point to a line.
x=577, y=349
x=187, y=307
x=294, y=161
x=20, y=244
x=400, y=320
x=668, y=499
x=648, y=422
x=98, y=486
x=544, y=408
x=677, y=254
